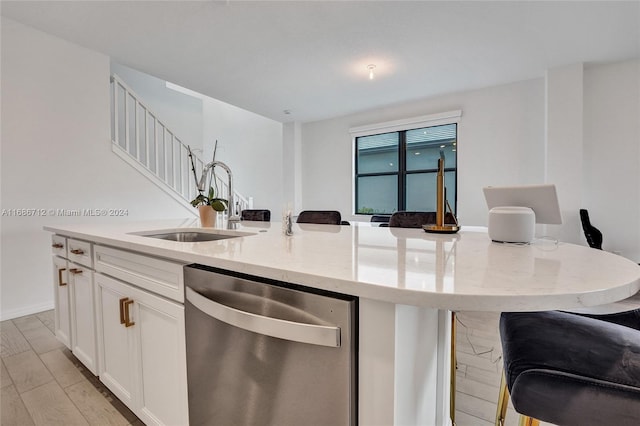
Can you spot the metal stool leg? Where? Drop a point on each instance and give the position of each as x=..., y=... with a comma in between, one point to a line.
x=503, y=402
x=528, y=421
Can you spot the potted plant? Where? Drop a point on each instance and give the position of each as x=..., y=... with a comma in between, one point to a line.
x=208, y=206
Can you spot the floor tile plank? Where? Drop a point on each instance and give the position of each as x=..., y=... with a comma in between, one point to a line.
x=5, y=378
x=48, y=319
x=41, y=338
x=63, y=370
x=12, y=340
x=49, y=405
x=13, y=411
x=27, y=371
x=93, y=405
x=28, y=322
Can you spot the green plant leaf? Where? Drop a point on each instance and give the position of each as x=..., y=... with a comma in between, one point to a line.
x=199, y=200
x=219, y=204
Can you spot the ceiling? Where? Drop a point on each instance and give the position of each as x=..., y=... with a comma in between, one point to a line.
x=311, y=57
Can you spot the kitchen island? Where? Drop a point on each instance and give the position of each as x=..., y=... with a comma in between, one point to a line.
x=406, y=280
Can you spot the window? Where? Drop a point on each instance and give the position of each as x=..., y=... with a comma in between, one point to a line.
x=397, y=170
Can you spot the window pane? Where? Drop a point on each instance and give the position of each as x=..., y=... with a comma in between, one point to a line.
x=377, y=194
x=377, y=153
x=424, y=145
x=421, y=191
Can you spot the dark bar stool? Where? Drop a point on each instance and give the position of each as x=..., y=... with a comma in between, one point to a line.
x=591, y=233
x=325, y=217
x=405, y=219
x=380, y=218
x=256, y=215
x=571, y=369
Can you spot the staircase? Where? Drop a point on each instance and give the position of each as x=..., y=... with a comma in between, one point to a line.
x=148, y=145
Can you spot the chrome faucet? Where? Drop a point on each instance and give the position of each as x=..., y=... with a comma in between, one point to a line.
x=234, y=215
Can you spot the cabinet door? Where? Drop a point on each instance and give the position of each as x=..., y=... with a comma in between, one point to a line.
x=159, y=326
x=83, y=330
x=141, y=342
x=61, y=300
x=115, y=341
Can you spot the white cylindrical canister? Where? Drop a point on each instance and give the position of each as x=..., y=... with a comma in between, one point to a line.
x=512, y=224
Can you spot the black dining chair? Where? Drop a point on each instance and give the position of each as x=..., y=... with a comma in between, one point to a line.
x=380, y=218
x=591, y=233
x=571, y=369
x=325, y=217
x=407, y=219
x=260, y=215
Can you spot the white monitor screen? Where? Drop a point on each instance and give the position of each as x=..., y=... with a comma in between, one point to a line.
x=542, y=199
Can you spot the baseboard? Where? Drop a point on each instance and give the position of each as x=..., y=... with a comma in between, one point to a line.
x=27, y=310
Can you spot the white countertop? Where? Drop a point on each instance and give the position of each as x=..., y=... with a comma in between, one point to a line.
x=464, y=271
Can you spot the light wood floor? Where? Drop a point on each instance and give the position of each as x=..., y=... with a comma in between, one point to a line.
x=44, y=384
x=479, y=370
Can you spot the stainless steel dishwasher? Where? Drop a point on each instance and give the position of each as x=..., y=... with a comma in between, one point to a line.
x=261, y=352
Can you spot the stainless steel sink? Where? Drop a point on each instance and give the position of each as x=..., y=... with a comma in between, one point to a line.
x=190, y=236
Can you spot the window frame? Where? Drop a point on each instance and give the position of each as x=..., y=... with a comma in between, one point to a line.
x=401, y=126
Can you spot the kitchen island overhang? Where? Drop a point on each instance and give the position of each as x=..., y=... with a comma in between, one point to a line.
x=464, y=271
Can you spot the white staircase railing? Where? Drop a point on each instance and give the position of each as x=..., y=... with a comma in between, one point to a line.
x=145, y=142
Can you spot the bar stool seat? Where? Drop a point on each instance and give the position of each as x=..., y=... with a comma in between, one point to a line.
x=570, y=369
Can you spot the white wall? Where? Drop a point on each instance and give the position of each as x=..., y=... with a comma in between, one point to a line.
x=500, y=142
x=56, y=154
x=292, y=167
x=251, y=145
x=611, y=190
x=564, y=99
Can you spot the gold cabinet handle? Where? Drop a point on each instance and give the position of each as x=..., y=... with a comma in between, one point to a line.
x=60, y=283
x=57, y=245
x=124, y=299
x=77, y=251
x=127, y=319
x=75, y=271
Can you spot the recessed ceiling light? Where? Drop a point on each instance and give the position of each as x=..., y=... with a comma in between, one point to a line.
x=371, y=67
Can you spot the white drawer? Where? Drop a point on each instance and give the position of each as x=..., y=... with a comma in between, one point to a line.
x=80, y=252
x=159, y=276
x=59, y=245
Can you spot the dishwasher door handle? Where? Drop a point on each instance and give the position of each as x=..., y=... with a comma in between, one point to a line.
x=274, y=327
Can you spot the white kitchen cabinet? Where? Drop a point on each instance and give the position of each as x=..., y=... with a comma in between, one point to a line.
x=62, y=301
x=83, y=328
x=141, y=339
x=75, y=298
